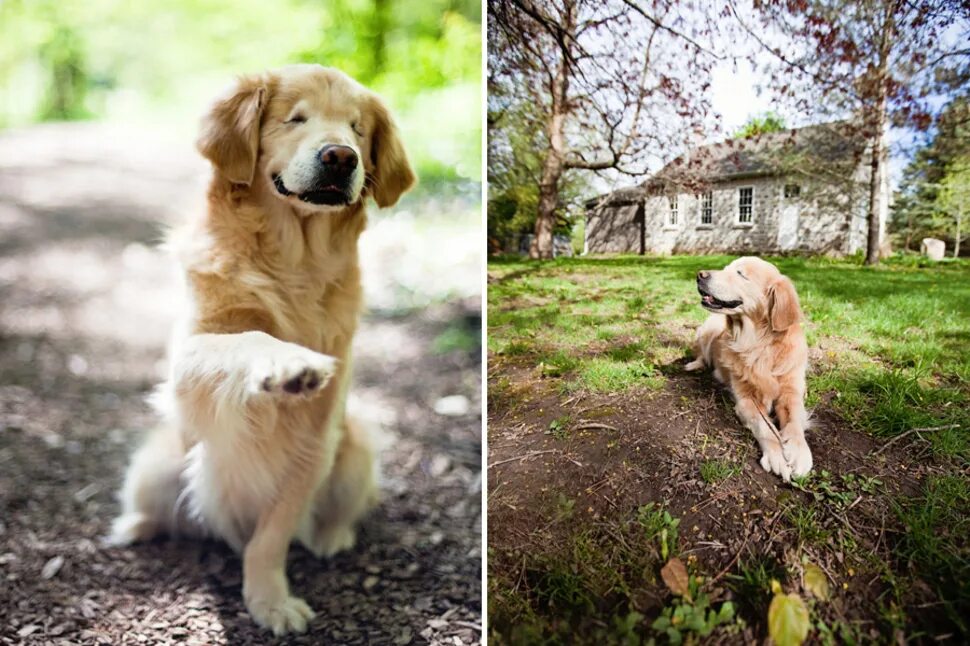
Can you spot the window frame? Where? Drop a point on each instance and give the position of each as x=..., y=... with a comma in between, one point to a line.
x=701, y=198
x=673, y=209
x=737, y=212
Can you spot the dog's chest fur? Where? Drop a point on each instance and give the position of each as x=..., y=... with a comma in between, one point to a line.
x=299, y=281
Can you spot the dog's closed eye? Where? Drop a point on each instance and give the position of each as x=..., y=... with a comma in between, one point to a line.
x=296, y=118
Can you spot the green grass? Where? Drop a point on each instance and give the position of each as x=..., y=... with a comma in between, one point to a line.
x=936, y=542
x=714, y=471
x=893, y=338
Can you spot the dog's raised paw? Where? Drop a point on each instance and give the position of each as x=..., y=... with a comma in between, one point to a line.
x=299, y=373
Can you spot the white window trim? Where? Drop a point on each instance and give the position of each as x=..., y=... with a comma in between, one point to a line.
x=673, y=204
x=737, y=207
x=700, y=211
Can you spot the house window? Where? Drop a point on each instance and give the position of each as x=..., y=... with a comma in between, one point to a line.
x=672, y=215
x=746, y=205
x=792, y=190
x=707, y=208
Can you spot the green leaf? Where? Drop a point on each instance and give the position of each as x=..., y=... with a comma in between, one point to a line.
x=788, y=623
x=661, y=624
x=726, y=613
x=815, y=581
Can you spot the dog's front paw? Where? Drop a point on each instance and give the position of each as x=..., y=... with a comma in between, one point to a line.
x=285, y=615
x=798, y=456
x=773, y=461
x=696, y=364
x=297, y=372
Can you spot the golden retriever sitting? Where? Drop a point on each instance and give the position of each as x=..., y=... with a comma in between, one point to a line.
x=255, y=447
x=754, y=341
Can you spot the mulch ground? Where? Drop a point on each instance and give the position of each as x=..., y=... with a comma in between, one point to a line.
x=85, y=303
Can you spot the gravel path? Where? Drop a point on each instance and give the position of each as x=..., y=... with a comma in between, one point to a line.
x=86, y=300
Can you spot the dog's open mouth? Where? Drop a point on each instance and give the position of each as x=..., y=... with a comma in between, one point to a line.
x=324, y=195
x=711, y=302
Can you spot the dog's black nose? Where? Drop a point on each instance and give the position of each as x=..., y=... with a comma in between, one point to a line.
x=338, y=158
x=703, y=275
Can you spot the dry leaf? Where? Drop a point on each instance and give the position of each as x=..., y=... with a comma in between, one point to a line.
x=52, y=567
x=675, y=576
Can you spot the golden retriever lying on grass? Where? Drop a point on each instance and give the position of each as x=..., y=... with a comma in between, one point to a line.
x=754, y=341
x=255, y=447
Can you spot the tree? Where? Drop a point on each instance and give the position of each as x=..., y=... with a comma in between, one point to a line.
x=954, y=196
x=880, y=61
x=931, y=199
x=610, y=83
x=760, y=125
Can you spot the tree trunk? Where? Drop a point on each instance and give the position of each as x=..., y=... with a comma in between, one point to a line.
x=552, y=168
x=554, y=163
x=877, y=177
x=876, y=194
x=956, y=238
x=548, y=203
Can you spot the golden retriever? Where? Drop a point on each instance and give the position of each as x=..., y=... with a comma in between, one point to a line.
x=255, y=448
x=754, y=340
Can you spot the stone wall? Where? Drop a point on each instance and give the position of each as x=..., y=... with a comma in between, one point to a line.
x=613, y=229
x=828, y=220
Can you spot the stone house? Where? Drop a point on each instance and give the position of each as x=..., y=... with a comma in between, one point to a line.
x=797, y=191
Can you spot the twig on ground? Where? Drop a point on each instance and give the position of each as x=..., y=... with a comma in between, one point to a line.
x=530, y=454
x=928, y=429
x=595, y=426
x=717, y=577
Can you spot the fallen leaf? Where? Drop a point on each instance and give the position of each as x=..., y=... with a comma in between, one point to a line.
x=815, y=581
x=52, y=567
x=788, y=620
x=674, y=575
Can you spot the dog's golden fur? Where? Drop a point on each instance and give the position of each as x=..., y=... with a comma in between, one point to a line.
x=755, y=343
x=255, y=447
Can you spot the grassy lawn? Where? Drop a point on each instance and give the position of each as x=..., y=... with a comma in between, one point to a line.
x=586, y=379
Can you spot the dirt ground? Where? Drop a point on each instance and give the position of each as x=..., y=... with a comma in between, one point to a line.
x=86, y=300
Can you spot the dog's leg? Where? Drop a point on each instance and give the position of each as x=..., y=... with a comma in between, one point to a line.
x=349, y=493
x=704, y=340
x=772, y=459
x=235, y=380
x=793, y=420
x=232, y=368
x=265, y=587
x=215, y=380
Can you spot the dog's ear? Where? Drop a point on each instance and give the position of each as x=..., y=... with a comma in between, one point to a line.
x=391, y=176
x=783, y=307
x=230, y=131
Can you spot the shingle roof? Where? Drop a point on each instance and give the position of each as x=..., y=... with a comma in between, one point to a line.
x=773, y=153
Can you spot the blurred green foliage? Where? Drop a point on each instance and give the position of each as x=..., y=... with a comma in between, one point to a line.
x=760, y=124
x=161, y=62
